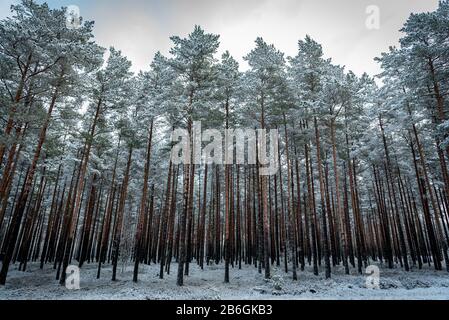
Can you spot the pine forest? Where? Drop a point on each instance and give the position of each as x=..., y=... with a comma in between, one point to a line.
x=87, y=177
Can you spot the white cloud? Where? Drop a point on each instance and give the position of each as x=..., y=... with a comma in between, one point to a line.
x=141, y=28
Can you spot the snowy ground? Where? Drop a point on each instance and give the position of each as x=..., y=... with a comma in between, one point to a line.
x=245, y=284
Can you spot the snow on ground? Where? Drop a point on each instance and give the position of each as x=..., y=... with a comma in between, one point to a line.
x=246, y=284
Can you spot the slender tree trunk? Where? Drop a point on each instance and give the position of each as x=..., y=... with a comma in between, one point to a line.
x=119, y=220
x=323, y=205
x=143, y=209
x=290, y=197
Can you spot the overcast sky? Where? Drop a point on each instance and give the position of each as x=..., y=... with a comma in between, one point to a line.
x=142, y=27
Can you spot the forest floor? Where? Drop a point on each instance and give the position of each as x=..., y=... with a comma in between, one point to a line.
x=207, y=284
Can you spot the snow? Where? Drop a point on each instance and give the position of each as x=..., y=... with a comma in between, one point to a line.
x=245, y=284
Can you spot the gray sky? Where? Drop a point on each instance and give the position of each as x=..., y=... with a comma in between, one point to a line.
x=140, y=28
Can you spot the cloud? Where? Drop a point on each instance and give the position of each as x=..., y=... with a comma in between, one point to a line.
x=140, y=28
